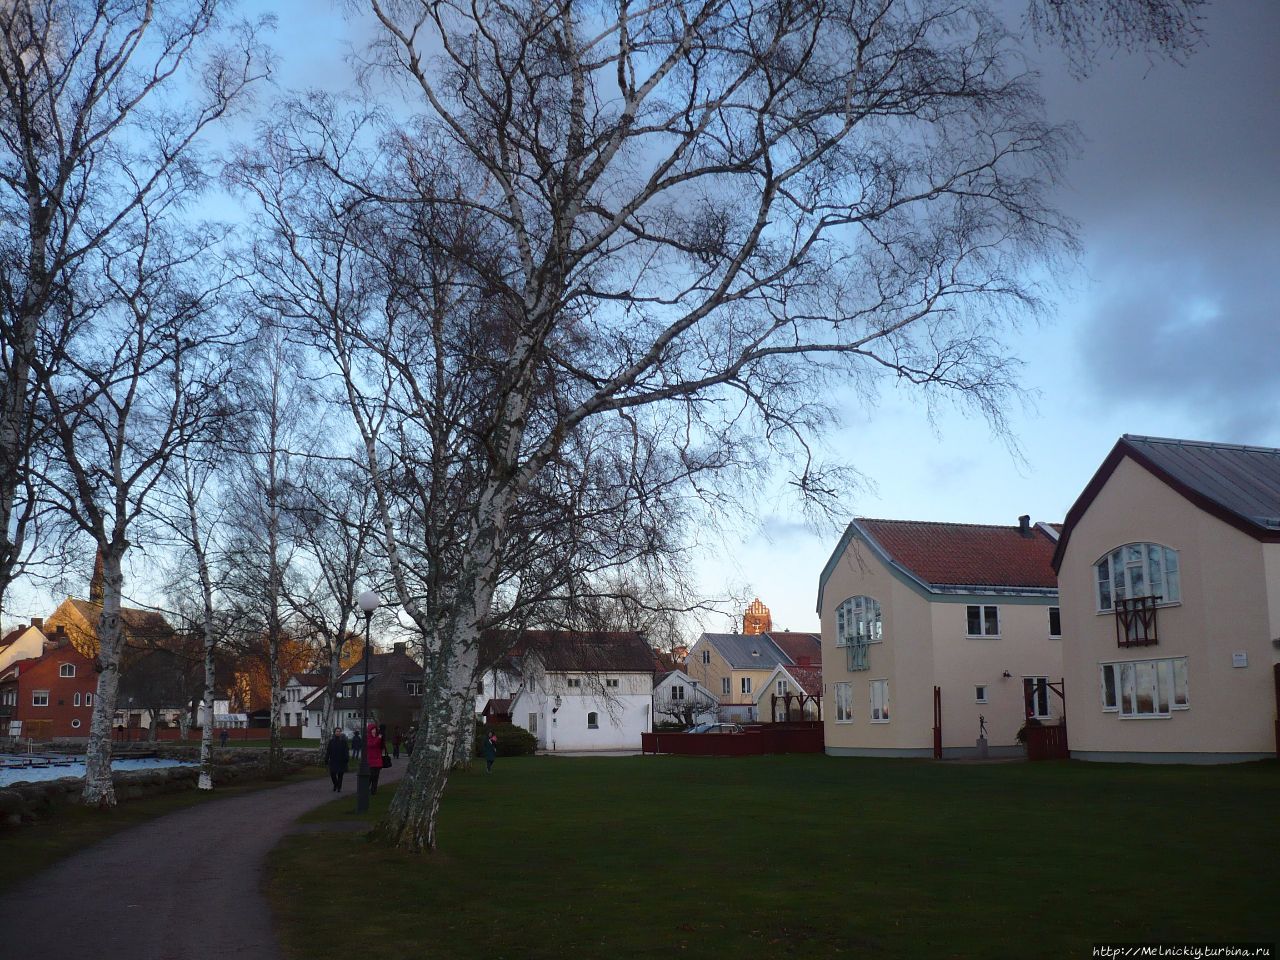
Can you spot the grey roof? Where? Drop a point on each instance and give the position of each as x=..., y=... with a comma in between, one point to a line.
x=1242, y=480
x=748, y=652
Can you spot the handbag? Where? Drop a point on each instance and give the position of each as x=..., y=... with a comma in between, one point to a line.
x=386, y=759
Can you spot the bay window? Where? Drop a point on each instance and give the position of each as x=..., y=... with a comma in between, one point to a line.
x=858, y=620
x=1145, y=688
x=1137, y=570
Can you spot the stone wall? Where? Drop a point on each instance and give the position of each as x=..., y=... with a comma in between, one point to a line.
x=25, y=801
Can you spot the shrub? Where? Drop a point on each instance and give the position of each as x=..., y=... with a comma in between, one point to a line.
x=513, y=741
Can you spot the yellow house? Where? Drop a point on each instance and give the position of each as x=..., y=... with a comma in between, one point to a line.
x=735, y=666
x=1169, y=571
x=935, y=632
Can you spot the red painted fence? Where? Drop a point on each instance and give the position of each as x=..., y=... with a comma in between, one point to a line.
x=795, y=737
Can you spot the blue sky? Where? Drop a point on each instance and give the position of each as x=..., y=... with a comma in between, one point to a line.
x=1166, y=325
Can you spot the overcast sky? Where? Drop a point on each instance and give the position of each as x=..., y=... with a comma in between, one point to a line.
x=1167, y=325
x=1167, y=328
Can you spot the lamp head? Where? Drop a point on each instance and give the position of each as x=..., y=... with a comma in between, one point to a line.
x=368, y=602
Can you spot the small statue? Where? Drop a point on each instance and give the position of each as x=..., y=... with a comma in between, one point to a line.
x=982, y=727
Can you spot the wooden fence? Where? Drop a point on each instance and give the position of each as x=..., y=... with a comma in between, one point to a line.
x=801, y=736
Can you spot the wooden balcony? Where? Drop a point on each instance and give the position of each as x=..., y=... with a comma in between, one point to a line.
x=1136, y=621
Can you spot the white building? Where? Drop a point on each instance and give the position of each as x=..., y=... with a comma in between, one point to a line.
x=584, y=691
x=678, y=698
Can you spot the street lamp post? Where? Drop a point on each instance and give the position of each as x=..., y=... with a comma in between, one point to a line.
x=368, y=603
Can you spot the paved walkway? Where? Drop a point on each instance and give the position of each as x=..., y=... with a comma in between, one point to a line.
x=187, y=886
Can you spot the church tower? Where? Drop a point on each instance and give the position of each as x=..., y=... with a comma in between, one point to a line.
x=756, y=619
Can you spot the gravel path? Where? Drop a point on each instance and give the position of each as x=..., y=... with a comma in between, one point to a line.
x=186, y=886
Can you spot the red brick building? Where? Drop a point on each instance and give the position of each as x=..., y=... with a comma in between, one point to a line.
x=50, y=696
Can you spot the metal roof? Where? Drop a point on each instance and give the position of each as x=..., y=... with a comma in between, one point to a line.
x=748, y=652
x=1244, y=480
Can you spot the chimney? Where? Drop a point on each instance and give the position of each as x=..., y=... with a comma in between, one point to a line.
x=38, y=623
x=399, y=647
x=1024, y=525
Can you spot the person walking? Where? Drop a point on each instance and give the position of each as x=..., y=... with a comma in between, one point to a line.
x=222, y=737
x=336, y=756
x=395, y=744
x=373, y=744
x=490, y=752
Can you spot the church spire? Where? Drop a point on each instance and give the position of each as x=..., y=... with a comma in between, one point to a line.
x=95, y=583
x=757, y=619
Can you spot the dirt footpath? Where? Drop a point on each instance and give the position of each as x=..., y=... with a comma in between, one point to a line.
x=187, y=886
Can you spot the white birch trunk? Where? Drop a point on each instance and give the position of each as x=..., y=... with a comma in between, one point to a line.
x=98, y=789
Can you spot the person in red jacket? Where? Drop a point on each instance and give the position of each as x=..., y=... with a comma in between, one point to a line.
x=373, y=744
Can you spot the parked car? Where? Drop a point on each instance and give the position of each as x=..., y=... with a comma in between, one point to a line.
x=715, y=728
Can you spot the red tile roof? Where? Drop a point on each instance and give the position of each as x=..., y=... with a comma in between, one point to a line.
x=797, y=646
x=809, y=678
x=969, y=554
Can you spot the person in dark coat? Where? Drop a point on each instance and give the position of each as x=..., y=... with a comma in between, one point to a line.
x=373, y=744
x=336, y=756
x=395, y=744
x=490, y=752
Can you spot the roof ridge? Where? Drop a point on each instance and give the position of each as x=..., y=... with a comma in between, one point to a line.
x=1211, y=444
x=953, y=523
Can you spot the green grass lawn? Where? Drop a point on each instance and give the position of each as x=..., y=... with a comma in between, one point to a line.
x=798, y=856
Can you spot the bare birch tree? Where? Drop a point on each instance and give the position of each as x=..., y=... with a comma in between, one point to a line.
x=269, y=491
x=688, y=220
x=143, y=379
x=93, y=126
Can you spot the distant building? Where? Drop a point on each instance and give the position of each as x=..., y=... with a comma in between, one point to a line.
x=583, y=690
x=678, y=698
x=395, y=693
x=757, y=619
x=791, y=693
x=734, y=666
x=50, y=695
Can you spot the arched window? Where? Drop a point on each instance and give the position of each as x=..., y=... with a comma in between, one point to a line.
x=593, y=721
x=66, y=669
x=858, y=621
x=1137, y=570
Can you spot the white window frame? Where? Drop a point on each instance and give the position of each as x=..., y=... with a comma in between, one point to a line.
x=1106, y=589
x=879, y=690
x=677, y=691
x=1167, y=673
x=1052, y=635
x=782, y=687
x=706, y=656
x=88, y=699
x=66, y=671
x=611, y=683
x=75, y=724
x=573, y=683
x=593, y=720
x=844, y=702
x=980, y=693
x=725, y=685
x=75, y=699
x=39, y=698
x=859, y=619
x=744, y=684
x=983, y=625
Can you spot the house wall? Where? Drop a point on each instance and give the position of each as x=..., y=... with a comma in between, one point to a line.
x=1229, y=589
x=42, y=674
x=622, y=715
x=709, y=675
x=904, y=658
x=963, y=663
x=662, y=693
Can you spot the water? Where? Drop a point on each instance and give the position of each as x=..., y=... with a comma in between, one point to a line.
x=61, y=766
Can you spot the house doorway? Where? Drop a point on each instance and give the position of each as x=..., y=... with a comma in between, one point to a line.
x=1046, y=740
